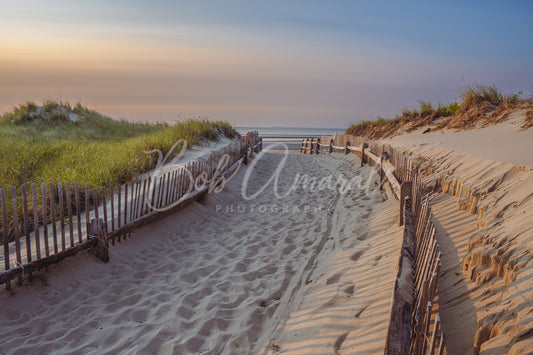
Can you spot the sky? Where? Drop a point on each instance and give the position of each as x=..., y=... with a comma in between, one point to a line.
x=260, y=63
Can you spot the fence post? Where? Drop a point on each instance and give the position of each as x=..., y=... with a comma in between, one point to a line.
x=399, y=333
x=405, y=192
x=363, y=153
x=317, y=145
x=251, y=145
x=384, y=157
x=330, y=146
x=346, y=150
x=98, y=230
x=244, y=150
x=381, y=173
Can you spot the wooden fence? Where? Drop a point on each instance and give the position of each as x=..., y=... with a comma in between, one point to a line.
x=46, y=223
x=415, y=322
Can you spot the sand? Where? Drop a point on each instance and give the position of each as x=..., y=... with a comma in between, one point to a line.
x=484, y=219
x=309, y=273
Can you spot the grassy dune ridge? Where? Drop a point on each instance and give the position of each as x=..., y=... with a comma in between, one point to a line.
x=479, y=103
x=58, y=142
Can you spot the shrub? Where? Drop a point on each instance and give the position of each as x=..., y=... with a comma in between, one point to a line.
x=449, y=110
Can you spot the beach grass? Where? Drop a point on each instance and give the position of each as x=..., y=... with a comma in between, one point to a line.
x=476, y=101
x=475, y=94
x=55, y=142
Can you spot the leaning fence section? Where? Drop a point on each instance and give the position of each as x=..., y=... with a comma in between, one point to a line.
x=43, y=223
x=417, y=331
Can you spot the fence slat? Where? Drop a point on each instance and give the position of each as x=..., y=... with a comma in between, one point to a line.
x=53, y=215
x=26, y=222
x=170, y=191
x=434, y=335
x=160, y=191
x=126, y=203
x=61, y=215
x=78, y=210
x=169, y=181
x=179, y=183
x=112, y=199
x=87, y=208
x=132, y=201
x=16, y=228
x=138, y=186
x=69, y=213
x=141, y=209
x=179, y=173
x=6, y=229
x=154, y=188
x=95, y=197
x=104, y=203
x=45, y=220
x=119, y=195
x=442, y=343
x=36, y=222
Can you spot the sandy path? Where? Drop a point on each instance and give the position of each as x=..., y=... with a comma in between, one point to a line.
x=227, y=276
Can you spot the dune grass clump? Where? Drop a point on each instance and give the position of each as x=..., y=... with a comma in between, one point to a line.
x=57, y=142
x=377, y=123
x=473, y=95
x=485, y=105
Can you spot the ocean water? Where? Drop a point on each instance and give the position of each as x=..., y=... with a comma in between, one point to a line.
x=266, y=132
x=291, y=137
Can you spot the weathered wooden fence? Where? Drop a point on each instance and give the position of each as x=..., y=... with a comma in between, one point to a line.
x=415, y=322
x=43, y=224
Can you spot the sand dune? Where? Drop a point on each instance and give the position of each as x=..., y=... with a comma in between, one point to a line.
x=309, y=273
x=486, y=224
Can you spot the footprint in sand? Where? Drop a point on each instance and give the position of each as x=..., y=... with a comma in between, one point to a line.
x=377, y=259
x=338, y=342
x=333, y=279
x=357, y=255
x=363, y=236
x=350, y=290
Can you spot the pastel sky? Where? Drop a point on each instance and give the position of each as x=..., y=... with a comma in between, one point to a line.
x=260, y=63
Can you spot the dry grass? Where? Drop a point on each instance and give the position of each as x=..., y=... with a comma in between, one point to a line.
x=528, y=120
x=473, y=95
x=408, y=120
x=481, y=105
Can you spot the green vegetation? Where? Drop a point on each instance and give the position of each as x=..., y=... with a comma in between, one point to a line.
x=57, y=142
